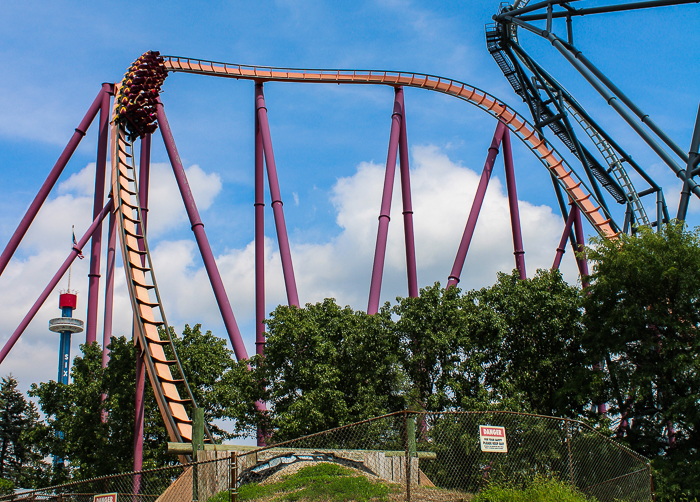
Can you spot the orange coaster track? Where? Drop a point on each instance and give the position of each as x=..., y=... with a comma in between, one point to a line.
x=544, y=151
x=153, y=332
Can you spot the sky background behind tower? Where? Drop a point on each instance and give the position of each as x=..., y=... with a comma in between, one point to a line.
x=330, y=145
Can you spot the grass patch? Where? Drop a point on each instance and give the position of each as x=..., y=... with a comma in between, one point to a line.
x=540, y=489
x=327, y=482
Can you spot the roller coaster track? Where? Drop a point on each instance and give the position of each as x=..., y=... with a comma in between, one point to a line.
x=153, y=340
x=545, y=152
x=620, y=185
x=152, y=330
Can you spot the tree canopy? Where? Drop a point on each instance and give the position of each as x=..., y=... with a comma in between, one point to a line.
x=538, y=345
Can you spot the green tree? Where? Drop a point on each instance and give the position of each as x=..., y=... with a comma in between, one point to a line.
x=325, y=366
x=21, y=464
x=441, y=358
x=92, y=447
x=530, y=332
x=642, y=312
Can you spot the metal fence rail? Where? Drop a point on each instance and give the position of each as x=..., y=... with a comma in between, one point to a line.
x=421, y=456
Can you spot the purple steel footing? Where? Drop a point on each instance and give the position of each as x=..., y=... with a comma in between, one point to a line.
x=411, y=273
x=375, y=287
x=201, y=237
x=476, y=206
x=518, y=250
x=96, y=243
x=282, y=239
x=49, y=183
x=52, y=284
x=564, y=237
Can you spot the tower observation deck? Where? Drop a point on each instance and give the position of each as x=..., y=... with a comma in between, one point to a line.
x=66, y=325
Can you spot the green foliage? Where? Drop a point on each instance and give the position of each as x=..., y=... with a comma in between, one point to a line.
x=530, y=333
x=6, y=486
x=325, y=366
x=539, y=489
x=92, y=447
x=21, y=463
x=642, y=317
x=76, y=432
x=322, y=482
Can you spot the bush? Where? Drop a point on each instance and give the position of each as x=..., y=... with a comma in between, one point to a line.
x=327, y=482
x=6, y=486
x=540, y=489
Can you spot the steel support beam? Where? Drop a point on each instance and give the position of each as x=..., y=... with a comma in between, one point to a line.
x=96, y=242
x=282, y=239
x=259, y=239
x=385, y=209
x=54, y=281
x=518, y=250
x=201, y=237
x=143, y=185
x=51, y=179
x=564, y=237
x=409, y=239
x=693, y=158
x=453, y=279
x=606, y=9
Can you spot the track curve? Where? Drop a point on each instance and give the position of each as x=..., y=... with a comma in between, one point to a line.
x=152, y=330
x=545, y=152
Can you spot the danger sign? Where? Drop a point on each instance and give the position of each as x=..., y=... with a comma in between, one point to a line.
x=493, y=438
x=105, y=497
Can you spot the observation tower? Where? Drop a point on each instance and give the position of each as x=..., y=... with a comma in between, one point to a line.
x=65, y=325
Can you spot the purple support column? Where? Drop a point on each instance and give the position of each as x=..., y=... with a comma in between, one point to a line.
x=201, y=237
x=583, y=270
x=578, y=229
x=96, y=243
x=564, y=237
x=109, y=297
x=138, y=425
x=259, y=255
x=52, y=284
x=375, y=287
x=406, y=199
x=259, y=239
x=476, y=207
x=518, y=250
x=144, y=177
x=285, y=253
x=49, y=183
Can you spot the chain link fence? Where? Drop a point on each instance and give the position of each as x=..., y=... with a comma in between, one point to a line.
x=198, y=481
x=447, y=456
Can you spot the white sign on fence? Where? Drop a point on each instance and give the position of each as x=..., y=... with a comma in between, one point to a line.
x=493, y=438
x=105, y=497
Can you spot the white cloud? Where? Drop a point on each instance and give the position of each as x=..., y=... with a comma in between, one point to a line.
x=340, y=267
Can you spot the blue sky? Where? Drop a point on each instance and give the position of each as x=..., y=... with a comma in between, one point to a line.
x=330, y=143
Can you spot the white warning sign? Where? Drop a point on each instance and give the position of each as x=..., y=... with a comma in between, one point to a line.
x=493, y=438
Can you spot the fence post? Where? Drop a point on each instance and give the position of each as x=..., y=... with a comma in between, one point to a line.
x=651, y=483
x=233, y=477
x=568, y=447
x=408, y=456
x=197, y=444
